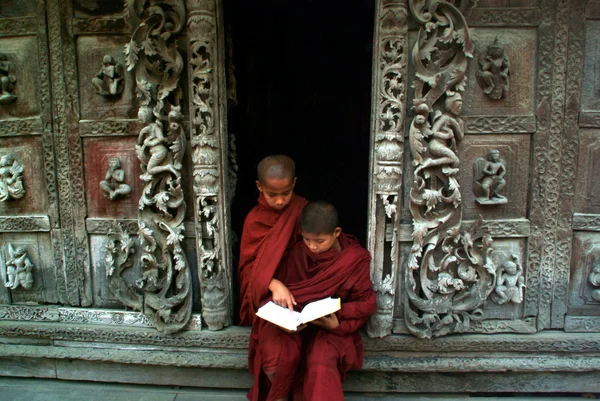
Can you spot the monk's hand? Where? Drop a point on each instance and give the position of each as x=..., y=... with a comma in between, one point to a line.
x=281, y=295
x=327, y=322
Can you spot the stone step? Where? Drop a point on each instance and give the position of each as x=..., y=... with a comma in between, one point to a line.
x=25, y=389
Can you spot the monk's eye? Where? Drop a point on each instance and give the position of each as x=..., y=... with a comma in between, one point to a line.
x=286, y=193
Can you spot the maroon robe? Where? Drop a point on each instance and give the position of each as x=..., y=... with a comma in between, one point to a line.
x=267, y=235
x=317, y=357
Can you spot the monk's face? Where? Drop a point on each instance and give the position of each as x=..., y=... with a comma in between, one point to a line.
x=277, y=192
x=321, y=242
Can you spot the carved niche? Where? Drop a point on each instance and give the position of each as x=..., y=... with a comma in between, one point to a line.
x=19, y=269
x=113, y=186
x=488, y=177
x=494, y=72
x=7, y=80
x=11, y=178
x=108, y=81
x=163, y=291
x=450, y=272
x=510, y=282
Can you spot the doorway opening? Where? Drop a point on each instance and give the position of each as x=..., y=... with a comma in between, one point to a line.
x=303, y=72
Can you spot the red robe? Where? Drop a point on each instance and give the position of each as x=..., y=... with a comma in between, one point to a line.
x=315, y=356
x=267, y=235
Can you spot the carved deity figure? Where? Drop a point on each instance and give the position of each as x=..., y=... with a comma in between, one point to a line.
x=109, y=80
x=494, y=72
x=8, y=80
x=509, y=282
x=113, y=186
x=595, y=281
x=446, y=131
x=19, y=269
x=152, y=141
x=488, y=173
x=11, y=180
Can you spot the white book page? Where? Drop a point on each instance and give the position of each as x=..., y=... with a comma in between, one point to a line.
x=279, y=315
x=317, y=309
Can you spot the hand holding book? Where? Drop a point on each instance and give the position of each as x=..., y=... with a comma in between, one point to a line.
x=283, y=317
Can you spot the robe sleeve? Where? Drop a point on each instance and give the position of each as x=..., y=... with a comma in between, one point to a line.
x=362, y=304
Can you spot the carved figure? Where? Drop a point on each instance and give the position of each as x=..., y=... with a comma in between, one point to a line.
x=447, y=130
x=488, y=174
x=19, y=269
x=494, y=72
x=109, y=80
x=595, y=281
x=7, y=78
x=11, y=180
x=450, y=272
x=152, y=141
x=509, y=282
x=113, y=186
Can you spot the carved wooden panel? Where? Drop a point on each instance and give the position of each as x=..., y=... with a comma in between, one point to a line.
x=588, y=190
x=514, y=149
x=28, y=152
x=36, y=247
x=23, y=63
x=98, y=153
x=520, y=46
x=91, y=51
x=590, y=96
x=585, y=257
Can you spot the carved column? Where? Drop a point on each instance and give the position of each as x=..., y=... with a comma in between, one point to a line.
x=153, y=56
x=450, y=273
x=210, y=149
x=387, y=144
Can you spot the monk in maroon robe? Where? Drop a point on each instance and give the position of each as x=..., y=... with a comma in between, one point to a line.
x=270, y=229
x=313, y=361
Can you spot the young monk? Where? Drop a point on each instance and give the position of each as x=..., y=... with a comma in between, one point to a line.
x=270, y=229
x=315, y=359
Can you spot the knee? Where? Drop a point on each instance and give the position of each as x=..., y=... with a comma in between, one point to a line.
x=322, y=354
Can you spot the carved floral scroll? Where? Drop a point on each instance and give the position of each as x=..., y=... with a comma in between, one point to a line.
x=164, y=291
x=210, y=152
x=389, y=87
x=450, y=272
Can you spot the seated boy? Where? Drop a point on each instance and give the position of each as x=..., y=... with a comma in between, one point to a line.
x=270, y=229
x=326, y=263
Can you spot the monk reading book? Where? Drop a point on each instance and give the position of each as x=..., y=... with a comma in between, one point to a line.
x=314, y=360
x=270, y=229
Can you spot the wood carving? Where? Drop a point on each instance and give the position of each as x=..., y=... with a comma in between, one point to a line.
x=594, y=280
x=153, y=56
x=488, y=176
x=113, y=186
x=494, y=72
x=7, y=79
x=510, y=282
x=450, y=272
x=11, y=178
x=19, y=269
x=109, y=80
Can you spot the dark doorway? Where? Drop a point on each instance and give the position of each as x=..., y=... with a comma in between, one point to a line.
x=303, y=71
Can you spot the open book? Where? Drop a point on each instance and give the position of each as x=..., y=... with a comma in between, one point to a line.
x=283, y=317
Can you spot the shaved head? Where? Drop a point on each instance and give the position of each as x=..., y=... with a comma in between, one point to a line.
x=278, y=167
x=319, y=217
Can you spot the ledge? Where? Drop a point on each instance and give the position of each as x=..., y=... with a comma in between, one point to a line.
x=399, y=363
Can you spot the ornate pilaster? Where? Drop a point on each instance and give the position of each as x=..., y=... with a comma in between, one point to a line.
x=210, y=155
x=164, y=291
x=387, y=138
x=450, y=273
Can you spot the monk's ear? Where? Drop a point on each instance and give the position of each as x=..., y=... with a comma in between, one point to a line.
x=337, y=232
x=259, y=186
